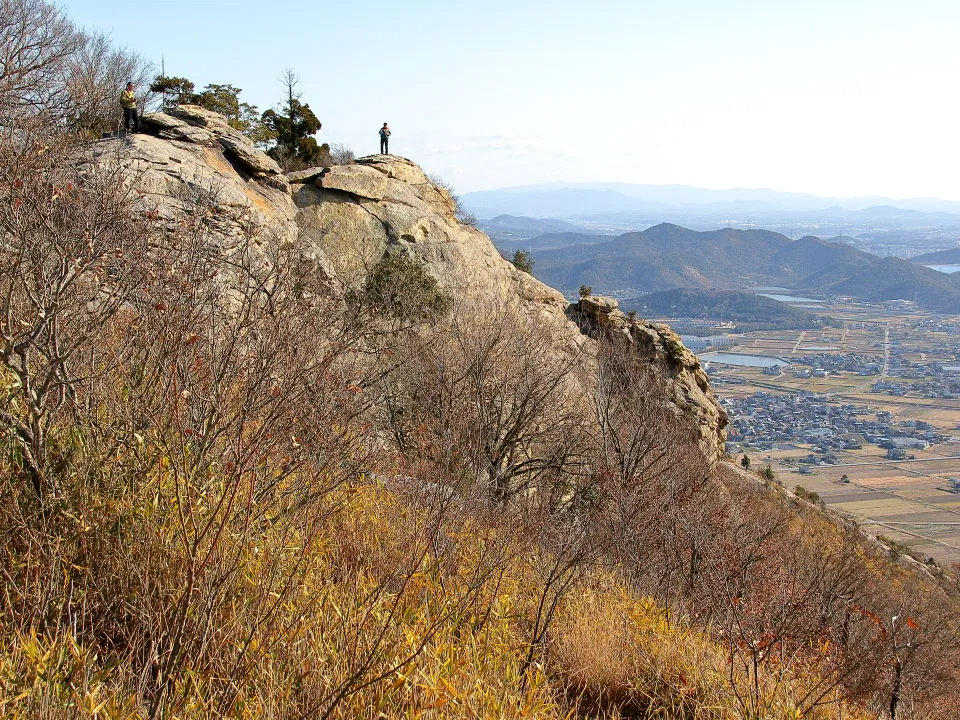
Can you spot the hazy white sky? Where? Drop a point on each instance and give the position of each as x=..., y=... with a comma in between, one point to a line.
x=839, y=97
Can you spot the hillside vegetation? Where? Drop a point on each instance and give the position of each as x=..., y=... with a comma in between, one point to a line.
x=304, y=446
x=666, y=256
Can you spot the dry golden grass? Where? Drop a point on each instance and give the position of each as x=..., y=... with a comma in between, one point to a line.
x=611, y=653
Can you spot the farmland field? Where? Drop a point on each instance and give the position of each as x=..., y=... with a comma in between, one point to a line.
x=911, y=500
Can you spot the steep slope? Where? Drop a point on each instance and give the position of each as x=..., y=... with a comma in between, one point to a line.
x=352, y=216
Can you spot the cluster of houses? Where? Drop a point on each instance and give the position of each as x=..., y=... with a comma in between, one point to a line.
x=929, y=380
x=860, y=364
x=766, y=421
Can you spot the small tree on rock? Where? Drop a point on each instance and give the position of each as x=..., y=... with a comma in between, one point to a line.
x=523, y=262
x=174, y=90
x=242, y=116
x=293, y=125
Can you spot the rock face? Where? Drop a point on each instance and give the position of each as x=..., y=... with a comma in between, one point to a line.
x=357, y=213
x=179, y=163
x=680, y=369
x=351, y=216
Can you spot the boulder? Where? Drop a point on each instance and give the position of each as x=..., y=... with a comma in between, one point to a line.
x=396, y=168
x=598, y=305
x=239, y=147
x=298, y=177
x=201, y=117
x=171, y=128
x=358, y=180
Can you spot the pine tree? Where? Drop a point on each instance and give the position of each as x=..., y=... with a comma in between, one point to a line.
x=523, y=262
x=175, y=90
x=293, y=125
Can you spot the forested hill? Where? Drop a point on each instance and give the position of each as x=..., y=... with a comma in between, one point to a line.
x=668, y=256
x=940, y=257
x=747, y=309
x=660, y=258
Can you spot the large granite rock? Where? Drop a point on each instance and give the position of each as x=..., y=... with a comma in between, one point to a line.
x=171, y=128
x=350, y=216
x=357, y=213
x=358, y=180
x=176, y=176
x=304, y=176
x=239, y=148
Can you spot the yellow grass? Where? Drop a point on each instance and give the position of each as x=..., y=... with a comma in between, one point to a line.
x=611, y=652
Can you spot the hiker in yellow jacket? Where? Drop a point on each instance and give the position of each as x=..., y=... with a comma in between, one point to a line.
x=128, y=101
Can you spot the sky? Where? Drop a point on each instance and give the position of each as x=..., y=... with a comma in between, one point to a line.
x=839, y=98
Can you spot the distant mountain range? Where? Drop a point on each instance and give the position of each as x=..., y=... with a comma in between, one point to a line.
x=511, y=232
x=667, y=256
x=569, y=199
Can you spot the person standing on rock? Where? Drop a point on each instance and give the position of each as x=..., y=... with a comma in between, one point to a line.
x=128, y=101
x=384, y=140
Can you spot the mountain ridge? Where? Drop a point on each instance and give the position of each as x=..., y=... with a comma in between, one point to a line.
x=667, y=256
x=677, y=196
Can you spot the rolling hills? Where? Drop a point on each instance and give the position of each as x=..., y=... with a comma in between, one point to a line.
x=512, y=232
x=667, y=256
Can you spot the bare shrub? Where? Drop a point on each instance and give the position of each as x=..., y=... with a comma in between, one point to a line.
x=36, y=42
x=489, y=401
x=659, y=492
x=59, y=75
x=95, y=74
x=341, y=154
x=462, y=214
x=72, y=255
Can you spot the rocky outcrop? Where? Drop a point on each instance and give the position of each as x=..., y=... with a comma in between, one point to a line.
x=191, y=158
x=685, y=378
x=382, y=204
x=236, y=145
x=352, y=216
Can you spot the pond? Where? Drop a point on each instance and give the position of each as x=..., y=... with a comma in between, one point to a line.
x=948, y=269
x=789, y=298
x=723, y=358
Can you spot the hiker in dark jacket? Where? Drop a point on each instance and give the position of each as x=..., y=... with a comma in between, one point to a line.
x=384, y=140
x=128, y=101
